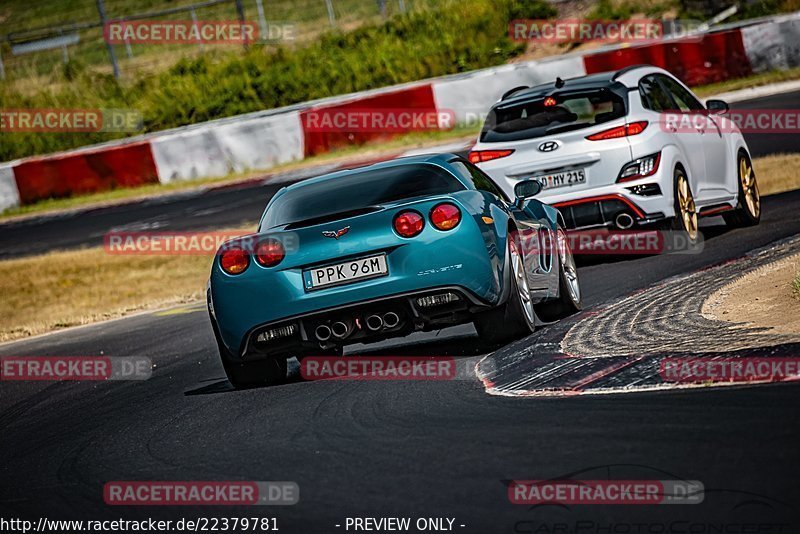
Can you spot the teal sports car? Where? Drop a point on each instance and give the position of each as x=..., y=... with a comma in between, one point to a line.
x=361, y=255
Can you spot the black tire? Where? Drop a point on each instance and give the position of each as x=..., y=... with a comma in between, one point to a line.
x=257, y=373
x=567, y=303
x=686, y=217
x=244, y=375
x=748, y=209
x=509, y=320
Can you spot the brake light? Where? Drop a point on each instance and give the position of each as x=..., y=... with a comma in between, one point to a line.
x=550, y=101
x=270, y=252
x=234, y=260
x=634, y=128
x=479, y=156
x=445, y=216
x=408, y=224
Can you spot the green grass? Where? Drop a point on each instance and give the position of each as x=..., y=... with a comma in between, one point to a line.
x=756, y=80
x=622, y=10
x=796, y=286
x=459, y=35
x=310, y=17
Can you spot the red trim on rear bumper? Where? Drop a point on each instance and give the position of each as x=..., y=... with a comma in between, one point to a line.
x=614, y=196
x=713, y=210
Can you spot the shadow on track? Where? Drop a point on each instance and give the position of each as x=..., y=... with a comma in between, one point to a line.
x=463, y=346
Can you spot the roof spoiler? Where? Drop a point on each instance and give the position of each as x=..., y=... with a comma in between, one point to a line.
x=628, y=69
x=514, y=90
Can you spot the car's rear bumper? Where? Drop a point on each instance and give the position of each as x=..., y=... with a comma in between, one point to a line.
x=414, y=311
x=259, y=296
x=611, y=210
x=646, y=200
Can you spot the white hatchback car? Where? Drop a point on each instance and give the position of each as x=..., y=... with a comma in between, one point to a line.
x=606, y=156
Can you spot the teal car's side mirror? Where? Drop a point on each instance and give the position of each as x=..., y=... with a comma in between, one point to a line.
x=526, y=189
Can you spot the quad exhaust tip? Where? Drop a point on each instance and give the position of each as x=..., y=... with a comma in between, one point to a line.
x=340, y=330
x=390, y=320
x=323, y=332
x=374, y=322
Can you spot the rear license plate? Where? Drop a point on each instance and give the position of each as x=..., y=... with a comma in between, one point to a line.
x=562, y=179
x=346, y=272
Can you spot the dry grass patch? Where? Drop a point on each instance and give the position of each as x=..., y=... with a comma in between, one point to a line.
x=777, y=173
x=755, y=80
x=761, y=298
x=63, y=289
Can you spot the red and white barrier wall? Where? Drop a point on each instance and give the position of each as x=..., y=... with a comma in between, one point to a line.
x=474, y=92
x=230, y=147
x=259, y=141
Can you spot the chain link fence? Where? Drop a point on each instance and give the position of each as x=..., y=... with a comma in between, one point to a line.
x=40, y=36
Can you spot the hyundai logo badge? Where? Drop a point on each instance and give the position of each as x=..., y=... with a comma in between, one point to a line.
x=549, y=146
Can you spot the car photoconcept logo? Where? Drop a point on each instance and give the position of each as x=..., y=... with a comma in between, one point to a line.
x=548, y=146
x=337, y=234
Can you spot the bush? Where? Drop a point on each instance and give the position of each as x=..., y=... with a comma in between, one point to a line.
x=531, y=9
x=461, y=35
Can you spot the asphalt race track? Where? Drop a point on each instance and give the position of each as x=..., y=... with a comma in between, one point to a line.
x=398, y=449
x=239, y=206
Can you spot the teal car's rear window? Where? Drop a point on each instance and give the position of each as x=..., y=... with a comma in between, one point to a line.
x=317, y=202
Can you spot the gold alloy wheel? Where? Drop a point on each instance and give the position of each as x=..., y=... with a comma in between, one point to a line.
x=752, y=199
x=687, y=208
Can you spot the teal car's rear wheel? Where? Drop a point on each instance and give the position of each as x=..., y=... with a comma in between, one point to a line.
x=249, y=374
x=516, y=318
x=258, y=373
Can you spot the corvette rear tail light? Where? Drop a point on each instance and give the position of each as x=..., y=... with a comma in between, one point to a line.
x=270, y=252
x=234, y=260
x=640, y=168
x=634, y=128
x=479, y=156
x=408, y=224
x=445, y=216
